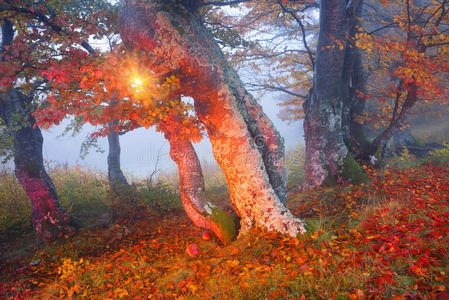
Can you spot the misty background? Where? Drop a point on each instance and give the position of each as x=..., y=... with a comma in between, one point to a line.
x=141, y=147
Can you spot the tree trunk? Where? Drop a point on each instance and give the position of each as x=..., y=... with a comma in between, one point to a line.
x=244, y=141
x=48, y=219
x=193, y=192
x=115, y=175
x=328, y=160
x=354, y=89
x=123, y=196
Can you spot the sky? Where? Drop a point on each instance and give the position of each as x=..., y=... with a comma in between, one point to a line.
x=140, y=148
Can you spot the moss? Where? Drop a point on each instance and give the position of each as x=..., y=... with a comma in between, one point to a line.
x=351, y=171
x=226, y=223
x=330, y=179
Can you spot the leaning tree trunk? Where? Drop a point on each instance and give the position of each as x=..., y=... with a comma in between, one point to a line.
x=193, y=192
x=48, y=219
x=245, y=143
x=328, y=160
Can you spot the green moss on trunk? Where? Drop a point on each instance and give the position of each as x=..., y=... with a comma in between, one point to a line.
x=226, y=223
x=330, y=179
x=351, y=171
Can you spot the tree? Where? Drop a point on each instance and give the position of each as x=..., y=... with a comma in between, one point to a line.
x=395, y=39
x=48, y=219
x=241, y=135
x=273, y=43
x=30, y=32
x=140, y=100
x=328, y=159
x=111, y=91
x=287, y=53
x=406, y=44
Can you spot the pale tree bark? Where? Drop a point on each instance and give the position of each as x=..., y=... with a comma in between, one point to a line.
x=48, y=219
x=174, y=41
x=192, y=189
x=328, y=160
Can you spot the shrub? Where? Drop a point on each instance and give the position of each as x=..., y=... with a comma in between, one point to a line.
x=440, y=157
x=404, y=160
x=215, y=182
x=158, y=197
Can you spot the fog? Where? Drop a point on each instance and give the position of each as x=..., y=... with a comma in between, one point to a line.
x=141, y=148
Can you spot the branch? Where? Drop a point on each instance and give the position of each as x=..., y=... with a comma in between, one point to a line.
x=44, y=19
x=382, y=27
x=303, y=31
x=275, y=88
x=156, y=169
x=223, y=3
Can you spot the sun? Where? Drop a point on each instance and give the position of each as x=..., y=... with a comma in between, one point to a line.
x=137, y=82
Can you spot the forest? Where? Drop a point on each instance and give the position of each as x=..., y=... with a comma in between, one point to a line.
x=357, y=209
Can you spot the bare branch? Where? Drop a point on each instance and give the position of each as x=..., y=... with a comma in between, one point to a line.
x=44, y=19
x=303, y=31
x=223, y=3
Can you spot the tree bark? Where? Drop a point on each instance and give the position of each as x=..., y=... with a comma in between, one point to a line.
x=48, y=219
x=193, y=192
x=175, y=42
x=354, y=88
x=328, y=160
x=115, y=175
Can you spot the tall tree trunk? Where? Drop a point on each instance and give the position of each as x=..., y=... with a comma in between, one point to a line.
x=193, y=192
x=354, y=89
x=328, y=160
x=176, y=42
x=48, y=219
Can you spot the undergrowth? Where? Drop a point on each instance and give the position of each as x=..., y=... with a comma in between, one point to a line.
x=84, y=194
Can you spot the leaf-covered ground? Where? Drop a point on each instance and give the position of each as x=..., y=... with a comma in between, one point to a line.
x=385, y=239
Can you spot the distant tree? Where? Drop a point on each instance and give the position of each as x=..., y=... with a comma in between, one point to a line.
x=273, y=44
x=32, y=33
x=406, y=44
x=380, y=48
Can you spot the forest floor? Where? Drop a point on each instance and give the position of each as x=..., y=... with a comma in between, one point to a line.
x=387, y=238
